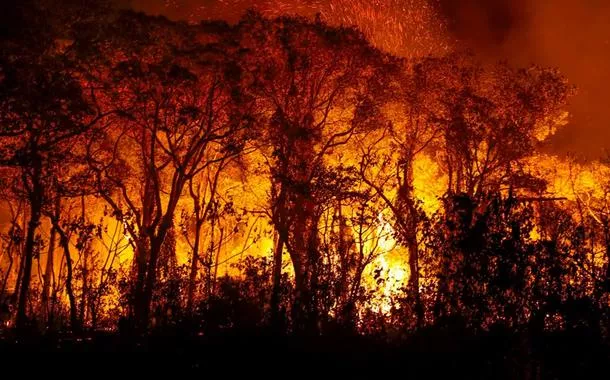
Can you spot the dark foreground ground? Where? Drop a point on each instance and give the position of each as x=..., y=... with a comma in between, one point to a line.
x=431, y=354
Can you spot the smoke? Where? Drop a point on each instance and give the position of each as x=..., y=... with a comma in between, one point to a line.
x=572, y=35
x=482, y=23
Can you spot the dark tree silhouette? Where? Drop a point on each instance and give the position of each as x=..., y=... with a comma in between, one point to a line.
x=43, y=110
x=303, y=74
x=180, y=111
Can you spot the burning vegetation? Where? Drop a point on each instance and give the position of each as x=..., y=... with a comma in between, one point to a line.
x=284, y=173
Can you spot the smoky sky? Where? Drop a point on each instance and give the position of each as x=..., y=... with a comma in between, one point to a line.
x=483, y=22
x=572, y=35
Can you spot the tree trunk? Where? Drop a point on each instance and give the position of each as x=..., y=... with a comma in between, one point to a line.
x=606, y=227
x=85, y=289
x=64, y=241
x=302, y=299
x=48, y=275
x=305, y=257
x=217, y=257
x=194, y=267
x=142, y=251
x=143, y=295
x=8, y=272
x=413, y=284
x=143, y=309
x=10, y=249
x=305, y=309
x=276, y=281
x=15, y=296
x=409, y=227
x=35, y=209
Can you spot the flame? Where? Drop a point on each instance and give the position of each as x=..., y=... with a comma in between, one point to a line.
x=404, y=27
x=388, y=273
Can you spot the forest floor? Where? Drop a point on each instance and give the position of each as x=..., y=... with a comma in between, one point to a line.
x=432, y=354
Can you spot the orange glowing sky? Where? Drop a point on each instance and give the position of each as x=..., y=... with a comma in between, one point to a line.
x=573, y=35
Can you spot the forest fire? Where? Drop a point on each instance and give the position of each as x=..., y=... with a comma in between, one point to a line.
x=288, y=175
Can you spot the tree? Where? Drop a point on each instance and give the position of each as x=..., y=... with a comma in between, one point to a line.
x=12, y=246
x=42, y=110
x=492, y=117
x=209, y=208
x=405, y=129
x=308, y=78
x=181, y=111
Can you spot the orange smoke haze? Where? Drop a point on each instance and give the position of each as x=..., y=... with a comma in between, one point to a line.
x=569, y=34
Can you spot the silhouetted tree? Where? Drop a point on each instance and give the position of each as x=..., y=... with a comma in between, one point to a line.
x=43, y=108
x=181, y=110
x=304, y=74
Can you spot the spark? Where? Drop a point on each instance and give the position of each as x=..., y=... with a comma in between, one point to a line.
x=408, y=28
